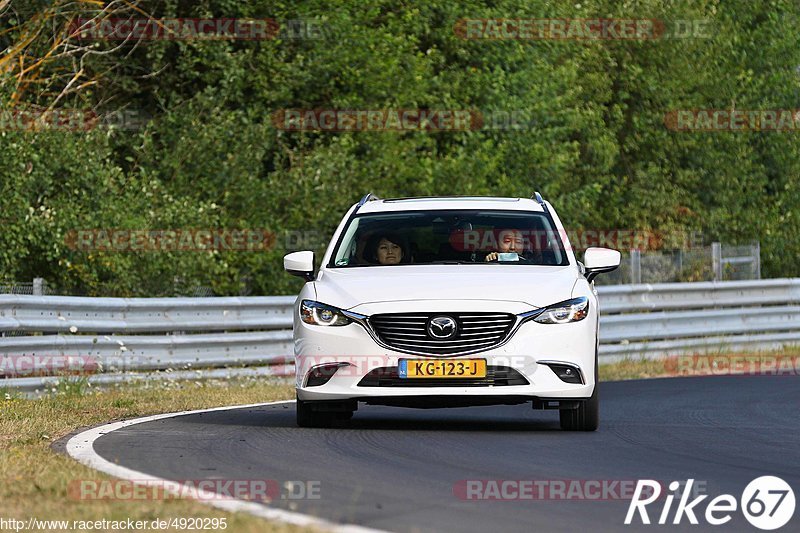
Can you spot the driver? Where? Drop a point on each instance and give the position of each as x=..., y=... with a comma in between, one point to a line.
x=508, y=241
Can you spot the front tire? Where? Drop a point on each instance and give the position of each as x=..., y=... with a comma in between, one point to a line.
x=587, y=416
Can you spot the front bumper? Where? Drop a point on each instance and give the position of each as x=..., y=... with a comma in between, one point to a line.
x=524, y=352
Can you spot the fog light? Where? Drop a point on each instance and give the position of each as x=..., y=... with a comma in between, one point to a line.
x=321, y=374
x=566, y=373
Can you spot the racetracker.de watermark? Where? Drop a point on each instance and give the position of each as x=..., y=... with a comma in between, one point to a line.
x=195, y=29
x=575, y=29
x=733, y=365
x=550, y=489
x=426, y=120
x=576, y=239
x=736, y=120
x=171, y=240
x=37, y=119
x=34, y=365
x=137, y=490
x=343, y=120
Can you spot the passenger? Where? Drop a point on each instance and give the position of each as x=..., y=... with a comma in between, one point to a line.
x=386, y=249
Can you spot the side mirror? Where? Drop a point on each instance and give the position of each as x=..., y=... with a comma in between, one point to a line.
x=599, y=260
x=300, y=264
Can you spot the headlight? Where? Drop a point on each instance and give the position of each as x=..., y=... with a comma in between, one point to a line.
x=318, y=314
x=564, y=312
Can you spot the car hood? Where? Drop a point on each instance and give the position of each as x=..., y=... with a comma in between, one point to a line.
x=533, y=286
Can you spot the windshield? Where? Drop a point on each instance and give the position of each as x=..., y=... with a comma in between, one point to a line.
x=463, y=237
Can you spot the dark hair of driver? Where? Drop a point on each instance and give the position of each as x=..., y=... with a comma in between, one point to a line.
x=371, y=249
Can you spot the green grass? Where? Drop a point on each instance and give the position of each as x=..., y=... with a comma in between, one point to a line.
x=35, y=478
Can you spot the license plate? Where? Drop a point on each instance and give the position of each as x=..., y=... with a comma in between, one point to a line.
x=426, y=368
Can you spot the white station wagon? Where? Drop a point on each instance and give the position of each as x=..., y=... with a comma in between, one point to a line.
x=448, y=302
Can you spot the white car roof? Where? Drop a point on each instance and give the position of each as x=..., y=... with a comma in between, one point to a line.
x=450, y=202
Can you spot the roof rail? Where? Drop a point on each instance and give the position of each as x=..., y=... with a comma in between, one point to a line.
x=367, y=198
x=539, y=200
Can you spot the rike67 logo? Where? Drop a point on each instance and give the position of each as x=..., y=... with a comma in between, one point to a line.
x=767, y=503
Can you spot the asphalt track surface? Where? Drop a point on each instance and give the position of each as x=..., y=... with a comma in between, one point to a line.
x=395, y=469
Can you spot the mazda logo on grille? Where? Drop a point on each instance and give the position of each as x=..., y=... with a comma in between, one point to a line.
x=442, y=327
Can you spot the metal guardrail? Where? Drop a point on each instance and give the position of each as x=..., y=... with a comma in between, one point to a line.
x=64, y=314
x=698, y=295
x=207, y=337
x=675, y=318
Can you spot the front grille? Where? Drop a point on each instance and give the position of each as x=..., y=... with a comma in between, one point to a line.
x=496, y=376
x=406, y=332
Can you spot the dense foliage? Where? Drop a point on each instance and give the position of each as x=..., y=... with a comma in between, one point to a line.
x=208, y=155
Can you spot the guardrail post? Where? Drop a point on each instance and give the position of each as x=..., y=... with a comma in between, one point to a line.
x=757, y=259
x=716, y=260
x=38, y=285
x=636, y=266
